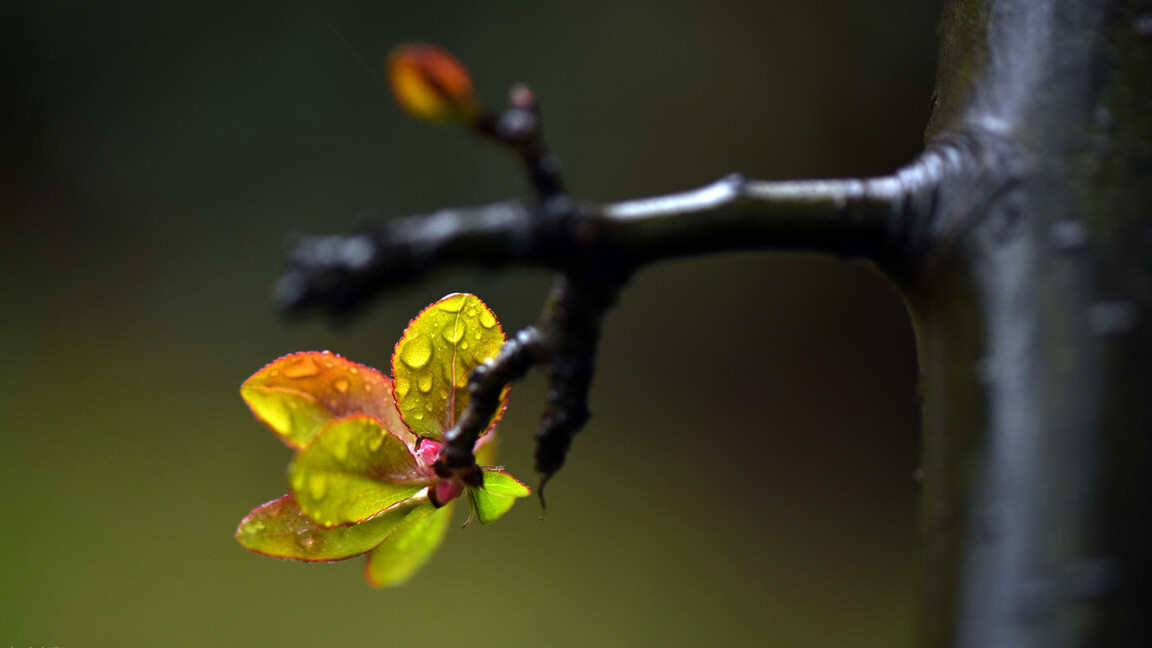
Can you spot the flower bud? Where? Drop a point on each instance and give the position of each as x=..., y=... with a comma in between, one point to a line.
x=430, y=84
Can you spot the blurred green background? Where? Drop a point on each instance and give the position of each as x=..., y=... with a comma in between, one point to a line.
x=747, y=479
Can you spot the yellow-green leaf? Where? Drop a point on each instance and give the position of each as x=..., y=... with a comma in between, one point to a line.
x=352, y=470
x=409, y=547
x=431, y=363
x=497, y=495
x=298, y=394
x=279, y=528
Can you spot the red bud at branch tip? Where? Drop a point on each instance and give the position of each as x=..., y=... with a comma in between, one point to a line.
x=430, y=84
x=522, y=96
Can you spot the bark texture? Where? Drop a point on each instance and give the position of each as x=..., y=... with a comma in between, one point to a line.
x=1032, y=319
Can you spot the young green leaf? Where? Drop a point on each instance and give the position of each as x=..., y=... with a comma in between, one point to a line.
x=352, y=470
x=409, y=547
x=299, y=393
x=497, y=495
x=280, y=529
x=431, y=363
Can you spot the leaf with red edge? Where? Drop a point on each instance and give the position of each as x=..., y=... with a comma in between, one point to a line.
x=298, y=394
x=432, y=361
x=352, y=470
x=409, y=547
x=430, y=84
x=280, y=529
x=499, y=492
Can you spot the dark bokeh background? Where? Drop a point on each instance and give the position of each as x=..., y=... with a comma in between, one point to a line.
x=747, y=479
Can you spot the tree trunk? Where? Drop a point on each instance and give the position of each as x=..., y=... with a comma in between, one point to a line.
x=1032, y=321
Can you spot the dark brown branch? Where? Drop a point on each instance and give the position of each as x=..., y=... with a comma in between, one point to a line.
x=873, y=219
x=594, y=249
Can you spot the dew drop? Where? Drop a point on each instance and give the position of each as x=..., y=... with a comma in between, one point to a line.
x=375, y=442
x=419, y=416
x=452, y=304
x=464, y=345
x=472, y=312
x=302, y=368
x=402, y=386
x=424, y=383
x=340, y=450
x=454, y=332
x=477, y=335
x=486, y=319
x=307, y=541
x=367, y=387
x=416, y=352
x=341, y=385
x=317, y=486
x=253, y=526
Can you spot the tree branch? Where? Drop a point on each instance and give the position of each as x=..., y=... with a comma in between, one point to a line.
x=877, y=219
x=595, y=249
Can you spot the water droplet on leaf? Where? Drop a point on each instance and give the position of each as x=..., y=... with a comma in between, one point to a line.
x=317, y=486
x=486, y=319
x=424, y=383
x=341, y=385
x=454, y=331
x=307, y=541
x=375, y=442
x=302, y=368
x=416, y=352
x=452, y=304
x=402, y=386
x=340, y=450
